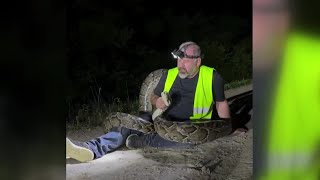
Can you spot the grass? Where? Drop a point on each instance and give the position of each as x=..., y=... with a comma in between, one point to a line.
x=93, y=114
x=238, y=83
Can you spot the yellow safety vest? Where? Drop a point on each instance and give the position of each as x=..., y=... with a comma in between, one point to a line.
x=203, y=99
x=294, y=130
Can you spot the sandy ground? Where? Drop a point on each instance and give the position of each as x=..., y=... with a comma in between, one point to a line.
x=225, y=158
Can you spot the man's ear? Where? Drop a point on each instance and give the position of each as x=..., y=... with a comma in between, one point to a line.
x=198, y=62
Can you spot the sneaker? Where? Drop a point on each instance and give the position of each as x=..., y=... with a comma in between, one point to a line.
x=78, y=150
x=134, y=141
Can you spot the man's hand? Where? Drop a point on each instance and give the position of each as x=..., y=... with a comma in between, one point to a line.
x=157, y=101
x=239, y=131
x=238, y=125
x=160, y=103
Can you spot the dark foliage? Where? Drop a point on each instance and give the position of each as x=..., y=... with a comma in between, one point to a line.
x=113, y=47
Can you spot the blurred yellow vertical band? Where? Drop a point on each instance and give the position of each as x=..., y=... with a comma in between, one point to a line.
x=294, y=127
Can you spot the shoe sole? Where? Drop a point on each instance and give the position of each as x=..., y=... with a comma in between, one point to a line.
x=127, y=141
x=77, y=152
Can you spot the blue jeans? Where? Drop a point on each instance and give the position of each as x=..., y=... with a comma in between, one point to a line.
x=116, y=138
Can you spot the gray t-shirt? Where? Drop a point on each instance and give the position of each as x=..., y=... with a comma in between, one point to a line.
x=182, y=93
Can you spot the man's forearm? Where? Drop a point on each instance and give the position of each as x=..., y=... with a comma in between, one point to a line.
x=223, y=109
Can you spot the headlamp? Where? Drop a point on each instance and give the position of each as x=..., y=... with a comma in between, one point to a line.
x=180, y=54
x=177, y=54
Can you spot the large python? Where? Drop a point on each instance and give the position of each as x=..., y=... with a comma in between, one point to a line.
x=185, y=132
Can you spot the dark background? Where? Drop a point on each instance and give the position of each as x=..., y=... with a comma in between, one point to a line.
x=114, y=46
x=54, y=54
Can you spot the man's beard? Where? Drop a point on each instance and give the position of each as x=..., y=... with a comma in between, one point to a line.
x=183, y=73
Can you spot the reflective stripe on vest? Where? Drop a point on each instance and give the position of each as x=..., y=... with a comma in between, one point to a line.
x=203, y=99
x=290, y=160
x=294, y=136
